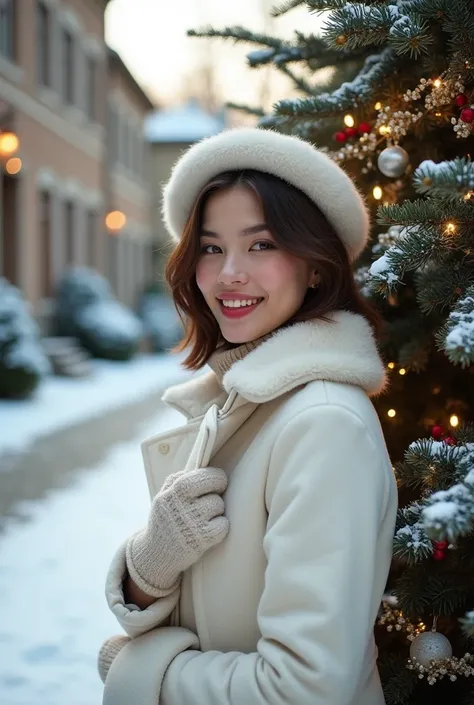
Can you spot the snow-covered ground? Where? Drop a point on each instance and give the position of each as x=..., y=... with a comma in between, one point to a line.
x=61, y=402
x=53, y=615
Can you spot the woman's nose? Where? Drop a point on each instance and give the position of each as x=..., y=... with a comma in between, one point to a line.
x=232, y=272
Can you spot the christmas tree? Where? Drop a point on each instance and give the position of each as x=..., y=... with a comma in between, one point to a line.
x=397, y=112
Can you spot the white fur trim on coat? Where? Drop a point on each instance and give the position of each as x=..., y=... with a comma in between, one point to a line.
x=343, y=350
x=287, y=157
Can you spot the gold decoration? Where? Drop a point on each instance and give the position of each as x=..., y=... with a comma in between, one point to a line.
x=341, y=40
x=394, y=619
x=451, y=667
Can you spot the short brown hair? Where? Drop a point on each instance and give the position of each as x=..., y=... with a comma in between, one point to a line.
x=299, y=227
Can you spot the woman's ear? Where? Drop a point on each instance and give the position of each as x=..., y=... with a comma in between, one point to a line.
x=315, y=280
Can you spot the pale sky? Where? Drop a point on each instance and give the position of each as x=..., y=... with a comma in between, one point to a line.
x=151, y=37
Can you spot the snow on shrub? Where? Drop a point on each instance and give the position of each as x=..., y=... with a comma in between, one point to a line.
x=109, y=329
x=22, y=359
x=160, y=320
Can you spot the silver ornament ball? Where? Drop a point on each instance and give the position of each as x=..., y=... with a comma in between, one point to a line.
x=393, y=161
x=430, y=646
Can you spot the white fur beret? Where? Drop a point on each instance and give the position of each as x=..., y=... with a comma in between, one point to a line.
x=284, y=156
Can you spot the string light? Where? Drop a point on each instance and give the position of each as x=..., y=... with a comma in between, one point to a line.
x=377, y=193
x=391, y=365
x=9, y=144
x=378, y=105
x=13, y=166
x=385, y=129
x=437, y=83
x=402, y=371
x=391, y=413
x=115, y=220
x=450, y=228
x=349, y=121
x=454, y=420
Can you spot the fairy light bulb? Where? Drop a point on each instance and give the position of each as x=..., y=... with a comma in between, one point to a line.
x=454, y=421
x=391, y=413
x=349, y=121
x=402, y=371
x=437, y=83
x=391, y=365
x=378, y=105
x=377, y=193
x=450, y=228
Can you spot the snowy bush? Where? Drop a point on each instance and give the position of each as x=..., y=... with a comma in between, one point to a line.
x=22, y=359
x=109, y=329
x=87, y=310
x=160, y=320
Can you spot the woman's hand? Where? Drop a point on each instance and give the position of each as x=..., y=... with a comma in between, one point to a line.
x=186, y=519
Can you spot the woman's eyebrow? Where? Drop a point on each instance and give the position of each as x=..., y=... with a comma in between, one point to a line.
x=252, y=230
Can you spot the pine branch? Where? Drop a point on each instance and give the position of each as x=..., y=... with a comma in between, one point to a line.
x=237, y=34
x=458, y=343
x=450, y=179
x=398, y=682
x=258, y=112
x=449, y=514
x=468, y=624
x=285, y=7
x=360, y=91
x=456, y=16
x=357, y=24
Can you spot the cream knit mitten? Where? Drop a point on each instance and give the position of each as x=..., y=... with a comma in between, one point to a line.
x=186, y=519
x=108, y=651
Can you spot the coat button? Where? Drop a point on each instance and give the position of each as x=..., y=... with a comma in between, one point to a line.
x=164, y=448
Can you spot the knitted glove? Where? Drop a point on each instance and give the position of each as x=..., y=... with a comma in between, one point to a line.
x=186, y=519
x=108, y=651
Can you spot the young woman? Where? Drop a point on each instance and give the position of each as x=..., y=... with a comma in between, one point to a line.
x=258, y=577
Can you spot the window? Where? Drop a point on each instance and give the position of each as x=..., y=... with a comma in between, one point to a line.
x=91, y=91
x=45, y=240
x=7, y=28
x=91, y=236
x=69, y=82
x=43, y=43
x=69, y=231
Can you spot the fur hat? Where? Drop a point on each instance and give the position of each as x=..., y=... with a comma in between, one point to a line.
x=289, y=158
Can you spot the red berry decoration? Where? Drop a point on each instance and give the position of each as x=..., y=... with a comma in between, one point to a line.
x=450, y=441
x=437, y=432
x=467, y=115
x=438, y=555
x=364, y=128
x=461, y=100
x=351, y=131
x=440, y=545
x=340, y=137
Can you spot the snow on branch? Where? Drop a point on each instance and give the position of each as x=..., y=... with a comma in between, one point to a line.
x=449, y=514
x=449, y=179
x=459, y=338
x=375, y=71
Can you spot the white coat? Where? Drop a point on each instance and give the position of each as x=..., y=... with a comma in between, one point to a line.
x=282, y=611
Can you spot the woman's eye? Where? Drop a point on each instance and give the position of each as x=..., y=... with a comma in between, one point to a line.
x=262, y=246
x=210, y=250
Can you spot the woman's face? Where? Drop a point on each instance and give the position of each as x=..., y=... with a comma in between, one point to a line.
x=251, y=286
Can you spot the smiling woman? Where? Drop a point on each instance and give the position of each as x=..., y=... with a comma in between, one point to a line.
x=273, y=507
x=251, y=235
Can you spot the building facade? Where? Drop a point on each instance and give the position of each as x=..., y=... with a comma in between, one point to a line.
x=58, y=83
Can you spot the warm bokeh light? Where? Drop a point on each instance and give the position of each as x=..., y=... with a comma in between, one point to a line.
x=13, y=166
x=391, y=365
x=454, y=420
x=437, y=83
x=391, y=413
x=402, y=371
x=377, y=193
x=450, y=228
x=349, y=121
x=9, y=144
x=378, y=105
x=115, y=221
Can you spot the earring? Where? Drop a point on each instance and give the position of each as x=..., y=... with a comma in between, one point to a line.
x=313, y=286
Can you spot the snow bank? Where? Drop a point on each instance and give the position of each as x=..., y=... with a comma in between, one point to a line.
x=62, y=402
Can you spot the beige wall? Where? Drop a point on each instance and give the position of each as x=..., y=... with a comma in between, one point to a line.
x=65, y=153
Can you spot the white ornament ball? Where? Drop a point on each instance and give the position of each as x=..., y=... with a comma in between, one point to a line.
x=393, y=161
x=430, y=646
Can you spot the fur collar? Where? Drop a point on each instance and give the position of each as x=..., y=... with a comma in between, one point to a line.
x=343, y=350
